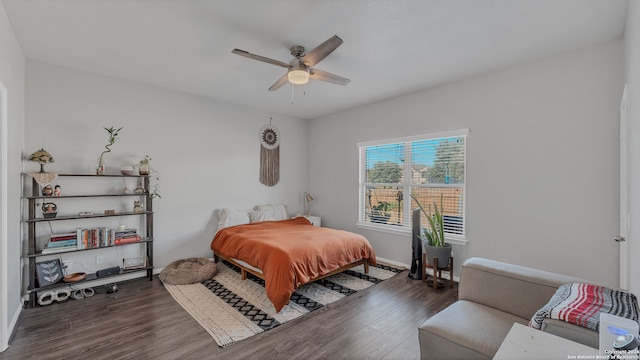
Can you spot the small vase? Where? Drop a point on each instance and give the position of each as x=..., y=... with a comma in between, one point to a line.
x=100, y=168
x=143, y=169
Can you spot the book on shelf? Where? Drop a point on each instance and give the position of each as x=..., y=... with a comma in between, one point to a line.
x=127, y=240
x=126, y=233
x=63, y=243
x=52, y=250
x=91, y=238
x=63, y=237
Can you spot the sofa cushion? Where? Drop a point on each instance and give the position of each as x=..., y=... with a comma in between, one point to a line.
x=465, y=330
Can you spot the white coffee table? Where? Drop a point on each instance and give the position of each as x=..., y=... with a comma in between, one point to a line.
x=524, y=342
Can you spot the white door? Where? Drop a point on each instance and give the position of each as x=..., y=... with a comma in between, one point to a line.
x=624, y=211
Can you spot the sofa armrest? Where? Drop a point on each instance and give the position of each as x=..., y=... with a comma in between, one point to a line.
x=517, y=290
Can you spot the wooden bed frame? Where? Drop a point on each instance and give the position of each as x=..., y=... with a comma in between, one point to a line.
x=245, y=270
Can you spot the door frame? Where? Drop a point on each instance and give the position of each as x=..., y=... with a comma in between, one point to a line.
x=624, y=191
x=4, y=237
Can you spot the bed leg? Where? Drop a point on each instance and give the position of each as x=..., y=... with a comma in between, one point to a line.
x=243, y=274
x=366, y=266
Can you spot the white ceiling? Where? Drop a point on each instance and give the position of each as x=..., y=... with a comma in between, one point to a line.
x=390, y=48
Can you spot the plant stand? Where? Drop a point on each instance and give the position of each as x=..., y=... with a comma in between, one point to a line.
x=436, y=279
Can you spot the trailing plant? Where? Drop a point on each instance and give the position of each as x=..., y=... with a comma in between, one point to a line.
x=154, y=178
x=146, y=160
x=434, y=233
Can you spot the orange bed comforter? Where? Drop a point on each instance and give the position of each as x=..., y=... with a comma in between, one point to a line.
x=291, y=252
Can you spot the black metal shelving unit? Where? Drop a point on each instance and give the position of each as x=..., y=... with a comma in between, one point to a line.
x=33, y=253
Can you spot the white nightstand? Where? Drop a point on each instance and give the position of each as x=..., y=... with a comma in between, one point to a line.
x=315, y=220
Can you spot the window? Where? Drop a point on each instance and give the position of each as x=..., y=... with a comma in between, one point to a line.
x=429, y=168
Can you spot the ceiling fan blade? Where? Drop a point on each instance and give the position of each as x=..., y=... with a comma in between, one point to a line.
x=321, y=51
x=260, y=58
x=328, y=77
x=278, y=84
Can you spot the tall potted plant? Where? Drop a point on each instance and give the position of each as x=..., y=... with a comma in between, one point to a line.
x=433, y=235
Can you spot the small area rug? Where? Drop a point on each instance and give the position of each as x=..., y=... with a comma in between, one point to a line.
x=231, y=310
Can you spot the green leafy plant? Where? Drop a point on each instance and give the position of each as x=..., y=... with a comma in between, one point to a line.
x=113, y=136
x=154, y=178
x=146, y=160
x=434, y=233
x=380, y=213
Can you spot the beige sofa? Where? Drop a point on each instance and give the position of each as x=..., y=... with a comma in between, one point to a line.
x=492, y=296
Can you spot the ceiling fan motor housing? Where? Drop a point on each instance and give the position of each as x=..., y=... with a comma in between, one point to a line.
x=297, y=51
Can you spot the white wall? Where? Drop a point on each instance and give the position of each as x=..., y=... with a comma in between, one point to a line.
x=206, y=152
x=542, y=175
x=632, y=77
x=12, y=71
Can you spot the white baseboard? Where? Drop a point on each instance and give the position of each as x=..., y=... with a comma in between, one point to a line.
x=12, y=325
x=392, y=262
x=445, y=275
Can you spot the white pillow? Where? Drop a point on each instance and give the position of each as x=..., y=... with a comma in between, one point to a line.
x=257, y=216
x=278, y=211
x=230, y=217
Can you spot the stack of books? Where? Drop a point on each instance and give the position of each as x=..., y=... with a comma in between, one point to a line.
x=126, y=236
x=61, y=242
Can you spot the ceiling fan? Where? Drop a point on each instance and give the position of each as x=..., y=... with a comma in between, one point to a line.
x=300, y=68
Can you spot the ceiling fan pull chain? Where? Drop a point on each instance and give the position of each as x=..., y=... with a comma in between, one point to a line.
x=291, y=94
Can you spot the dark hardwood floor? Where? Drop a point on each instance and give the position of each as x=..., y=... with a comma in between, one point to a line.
x=144, y=322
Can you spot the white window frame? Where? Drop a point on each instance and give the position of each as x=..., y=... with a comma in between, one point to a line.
x=406, y=228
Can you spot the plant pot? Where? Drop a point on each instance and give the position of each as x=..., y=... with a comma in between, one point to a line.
x=442, y=253
x=143, y=169
x=380, y=219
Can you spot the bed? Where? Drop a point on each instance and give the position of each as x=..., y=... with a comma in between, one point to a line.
x=289, y=253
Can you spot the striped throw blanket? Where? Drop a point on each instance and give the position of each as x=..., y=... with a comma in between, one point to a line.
x=581, y=304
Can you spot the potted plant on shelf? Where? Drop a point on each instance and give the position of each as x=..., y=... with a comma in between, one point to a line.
x=113, y=136
x=433, y=235
x=380, y=213
x=145, y=168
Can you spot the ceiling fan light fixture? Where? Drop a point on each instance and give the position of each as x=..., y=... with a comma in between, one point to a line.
x=298, y=75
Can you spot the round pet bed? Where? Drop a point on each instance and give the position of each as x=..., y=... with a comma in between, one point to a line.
x=188, y=271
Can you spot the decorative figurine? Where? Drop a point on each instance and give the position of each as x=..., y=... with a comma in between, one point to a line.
x=57, y=190
x=47, y=190
x=137, y=207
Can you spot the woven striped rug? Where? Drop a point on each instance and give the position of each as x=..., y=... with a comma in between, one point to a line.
x=231, y=310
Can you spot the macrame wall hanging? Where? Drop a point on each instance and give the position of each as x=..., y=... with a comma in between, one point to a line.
x=269, y=155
